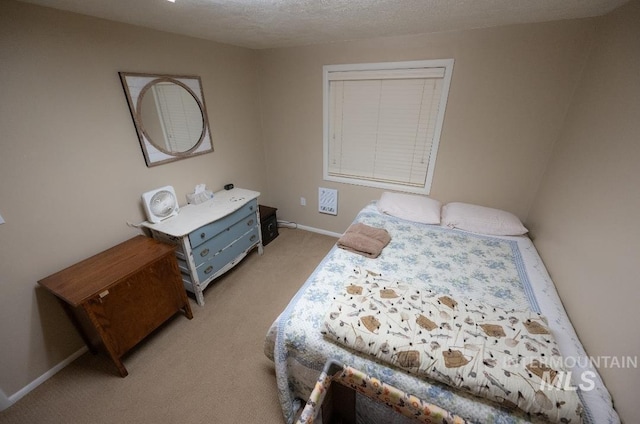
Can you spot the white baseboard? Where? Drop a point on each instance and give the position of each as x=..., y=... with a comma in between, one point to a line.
x=319, y=231
x=4, y=401
x=7, y=402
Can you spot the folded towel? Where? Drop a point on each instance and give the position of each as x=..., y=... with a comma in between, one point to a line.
x=364, y=240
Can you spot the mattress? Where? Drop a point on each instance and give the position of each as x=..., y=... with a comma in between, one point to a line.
x=505, y=272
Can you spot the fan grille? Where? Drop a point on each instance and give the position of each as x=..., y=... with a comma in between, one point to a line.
x=162, y=203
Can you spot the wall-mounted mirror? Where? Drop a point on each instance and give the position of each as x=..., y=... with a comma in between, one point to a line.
x=169, y=114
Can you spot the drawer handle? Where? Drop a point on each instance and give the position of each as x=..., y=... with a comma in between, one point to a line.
x=250, y=223
x=204, y=253
x=253, y=237
x=202, y=235
x=208, y=270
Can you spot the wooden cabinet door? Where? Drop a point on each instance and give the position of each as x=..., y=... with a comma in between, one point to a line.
x=136, y=306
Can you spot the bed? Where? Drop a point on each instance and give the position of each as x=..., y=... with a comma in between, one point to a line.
x=502, y=271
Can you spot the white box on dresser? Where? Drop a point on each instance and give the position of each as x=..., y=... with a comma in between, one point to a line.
x=212, y=237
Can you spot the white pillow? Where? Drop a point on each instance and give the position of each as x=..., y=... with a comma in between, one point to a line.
x=480, y=219
x=410, y=207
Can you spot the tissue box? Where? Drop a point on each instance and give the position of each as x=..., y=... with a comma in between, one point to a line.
x=196, y=198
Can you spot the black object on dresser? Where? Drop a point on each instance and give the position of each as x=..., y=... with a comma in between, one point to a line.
x=268, y=224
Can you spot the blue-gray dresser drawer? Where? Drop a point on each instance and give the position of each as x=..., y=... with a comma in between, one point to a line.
x=205, y=233
x=213, y=246
x=218, y=262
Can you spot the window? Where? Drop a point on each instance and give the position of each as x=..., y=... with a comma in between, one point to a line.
x=382, y=122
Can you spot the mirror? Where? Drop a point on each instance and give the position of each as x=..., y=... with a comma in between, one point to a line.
x=169, y=114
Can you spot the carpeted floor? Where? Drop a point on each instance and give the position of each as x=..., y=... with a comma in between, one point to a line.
x=208, y=370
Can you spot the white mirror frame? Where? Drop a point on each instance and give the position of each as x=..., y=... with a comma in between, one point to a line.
x=135, y=85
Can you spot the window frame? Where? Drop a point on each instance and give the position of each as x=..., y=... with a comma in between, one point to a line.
x=447, y=64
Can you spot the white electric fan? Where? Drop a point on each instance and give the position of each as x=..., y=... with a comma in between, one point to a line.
x=160, y=204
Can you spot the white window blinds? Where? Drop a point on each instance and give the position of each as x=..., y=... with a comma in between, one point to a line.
x=382, y=125
x=180, y=116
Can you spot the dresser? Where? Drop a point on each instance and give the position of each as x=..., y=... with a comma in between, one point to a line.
x=119, y=296
x=212, y=237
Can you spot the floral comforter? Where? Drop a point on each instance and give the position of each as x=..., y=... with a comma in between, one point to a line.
x=451, y=262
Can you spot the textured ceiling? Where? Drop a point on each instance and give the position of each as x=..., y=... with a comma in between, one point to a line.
x=262, y=24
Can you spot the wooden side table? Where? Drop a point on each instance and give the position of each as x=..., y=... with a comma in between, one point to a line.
x=268, y=224
x=117, y=297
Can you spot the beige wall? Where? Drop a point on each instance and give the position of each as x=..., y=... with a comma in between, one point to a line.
x=71, y=168
x=509, y=94
x=585, y=216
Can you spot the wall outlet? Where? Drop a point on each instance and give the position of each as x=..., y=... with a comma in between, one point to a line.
x=303, y=201
x=328, y=201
